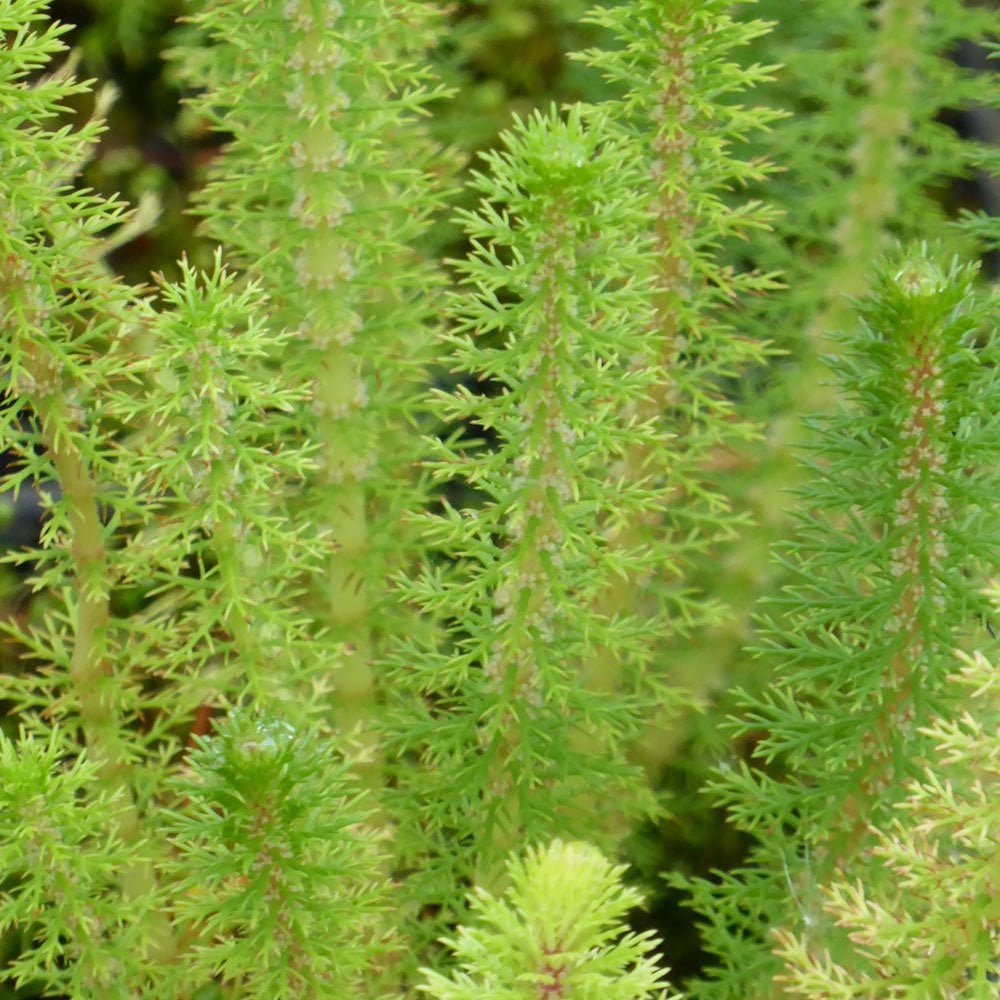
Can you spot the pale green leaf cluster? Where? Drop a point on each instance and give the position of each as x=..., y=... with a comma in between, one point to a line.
x=933, y=932
x=63, y=866
x=325, y=193
x=165, y=566
x=674, y=67
x=559, y=930
x=187, y=487
x=551, y=310
x=592, y=306
x=679, y=74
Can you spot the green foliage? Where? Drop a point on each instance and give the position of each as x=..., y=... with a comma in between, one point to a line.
x=276, y=872
x=558, y=930
x=325, y=194
x=63, y=867
x=938, y=935
x=361, y=570
x=896, y=538
x=552, y=309
x=692, y=136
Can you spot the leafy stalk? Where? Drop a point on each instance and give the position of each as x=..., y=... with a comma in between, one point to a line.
x=895, y=541
x=553, y=310
x=673, y=64
x=931, y=929
x=276, y=874
x=63, y=866
x=323, y=192
x=60, y=311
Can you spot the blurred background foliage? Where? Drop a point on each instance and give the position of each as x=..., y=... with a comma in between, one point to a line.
x=502, y=57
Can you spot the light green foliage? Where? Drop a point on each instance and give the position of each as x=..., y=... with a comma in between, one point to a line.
x=553, y=309
x=62, y=865
x=663, y=59
x=284, y=717
x=155, y=419
x=62, y=314
x=933, y=930
x=324, y=193
x=205, y=371
x=276, y=870
x=559, y=930
x=896, y=538
x=869, y=153
x=677, y=83
x=188, y=487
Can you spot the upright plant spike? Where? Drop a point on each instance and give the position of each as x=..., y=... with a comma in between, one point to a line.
x=553, y=311
x=151, y=453
x=865, y=153
x=63, y=318
x=679, y=84
x=186, y=486
x=323, y=193
x=863, y=637
x=205, y=463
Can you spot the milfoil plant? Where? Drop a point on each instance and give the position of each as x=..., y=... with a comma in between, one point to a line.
x=334, y=686
x=897, y=537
